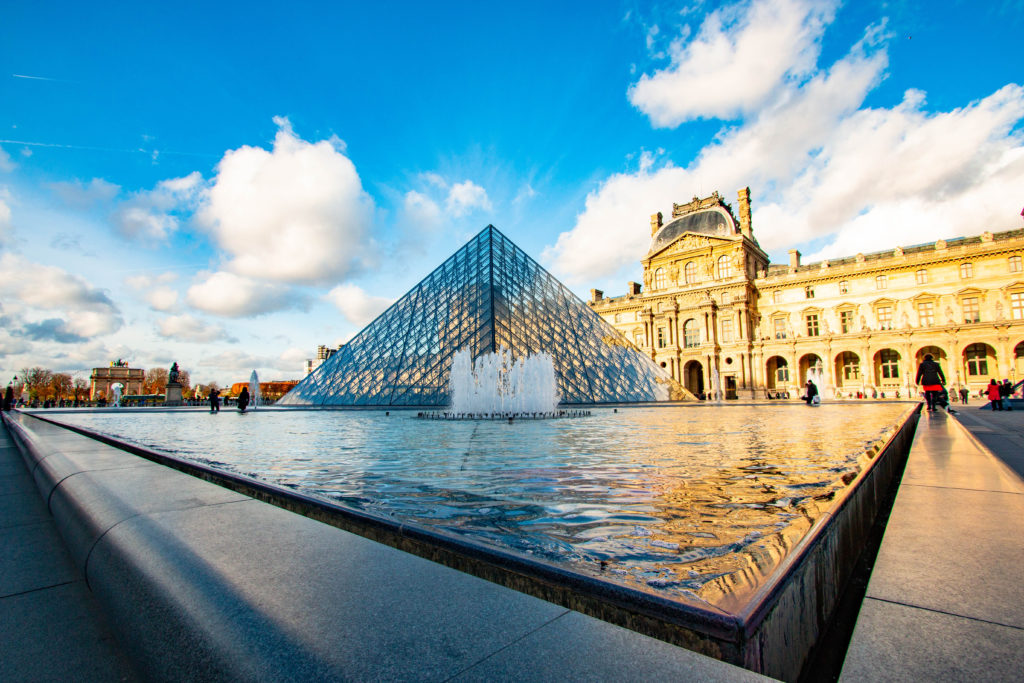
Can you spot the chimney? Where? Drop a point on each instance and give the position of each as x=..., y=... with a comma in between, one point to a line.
x=656, y=223
x=794, y=259
x=745, y=227
x=596, y=295
x=633, y=289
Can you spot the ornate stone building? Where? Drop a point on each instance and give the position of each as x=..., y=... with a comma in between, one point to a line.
x=712, y=306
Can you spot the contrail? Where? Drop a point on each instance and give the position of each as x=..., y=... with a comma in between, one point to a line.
x=103, y=149
x=35, y=78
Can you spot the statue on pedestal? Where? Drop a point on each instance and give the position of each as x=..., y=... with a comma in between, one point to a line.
x=172, y=396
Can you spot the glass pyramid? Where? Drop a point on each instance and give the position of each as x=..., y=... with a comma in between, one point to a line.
x=488, y=296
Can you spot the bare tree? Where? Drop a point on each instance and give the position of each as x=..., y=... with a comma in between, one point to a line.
x=184, y=380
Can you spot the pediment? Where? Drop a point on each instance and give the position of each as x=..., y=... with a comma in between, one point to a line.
x=695, y=242
x=883, y=301
x=970, y=291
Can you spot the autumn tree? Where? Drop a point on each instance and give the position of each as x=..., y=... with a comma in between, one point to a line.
x=156, y=381
x=81, y=387
x=184, y=380
x=37, y=380
x=61, y=385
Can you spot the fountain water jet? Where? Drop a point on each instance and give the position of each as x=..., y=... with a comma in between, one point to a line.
x=255, y=397
x=498, y=385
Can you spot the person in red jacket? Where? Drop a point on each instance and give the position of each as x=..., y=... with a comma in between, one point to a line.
x=994, y=395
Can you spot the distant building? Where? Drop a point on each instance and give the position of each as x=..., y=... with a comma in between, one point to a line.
x=712, y=303
x=102, y=379
x=322, y=354
x=269, y=391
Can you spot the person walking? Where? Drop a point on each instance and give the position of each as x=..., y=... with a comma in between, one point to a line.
x=9, y=398
x=214, y=401
x=931, y=379
x=995, y=394
x=243, y=399
x=964, y=395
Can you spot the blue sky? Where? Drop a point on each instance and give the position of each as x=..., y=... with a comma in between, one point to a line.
x=228, y=186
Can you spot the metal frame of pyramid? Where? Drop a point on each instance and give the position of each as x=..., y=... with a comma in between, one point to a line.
x=489, y=295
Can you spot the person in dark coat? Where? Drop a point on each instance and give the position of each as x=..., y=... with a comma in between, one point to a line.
x=243, y=399
x=214, y=401
x=812, y=391
x=931, y=379
x=9, y=398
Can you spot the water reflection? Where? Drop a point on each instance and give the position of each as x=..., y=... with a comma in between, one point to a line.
x=688, y=501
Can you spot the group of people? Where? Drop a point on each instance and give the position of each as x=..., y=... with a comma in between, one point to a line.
x=243, y=400
x=932, y=381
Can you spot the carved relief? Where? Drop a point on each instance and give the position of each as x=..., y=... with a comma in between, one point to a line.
x=673, y=273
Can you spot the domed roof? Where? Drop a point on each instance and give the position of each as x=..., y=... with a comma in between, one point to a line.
x=711, y=221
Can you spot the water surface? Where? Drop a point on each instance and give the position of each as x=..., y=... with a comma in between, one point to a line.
x=700, y=501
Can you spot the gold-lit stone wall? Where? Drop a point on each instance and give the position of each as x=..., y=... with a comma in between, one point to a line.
x=711, y=303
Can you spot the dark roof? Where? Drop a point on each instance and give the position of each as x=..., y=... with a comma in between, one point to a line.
x=710, y=221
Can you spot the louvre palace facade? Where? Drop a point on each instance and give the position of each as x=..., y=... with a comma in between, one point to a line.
x=711, y=302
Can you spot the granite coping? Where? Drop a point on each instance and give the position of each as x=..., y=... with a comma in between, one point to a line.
x=214, y=585
x=946, y=595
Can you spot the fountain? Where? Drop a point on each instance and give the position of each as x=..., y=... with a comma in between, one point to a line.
x=116, y=390
x=255, y=397
x=716, y=386
x=498, y=386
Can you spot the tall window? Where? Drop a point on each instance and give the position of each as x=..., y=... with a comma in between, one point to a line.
x=659, y=278
x=977, y=360
x=926, y=313
x=890, y=363
x=846, y=321
x=691, y=334
x=884, y=314
x=1015, y=265
x=921, y=276
x=966, y=270
x=727, y=330
x=724, y=266
x=690, y=273
x=972, y=311
x=808, y=292
x=1017, y=305
x=782, y=371
x=638, y=339
x=725, y=298
x=661, y=337
x=618, y=317
x=851, y=366
x=779, y=324
x=882, y=282
x=777, y=297
x=844, y=287
x=812, y=324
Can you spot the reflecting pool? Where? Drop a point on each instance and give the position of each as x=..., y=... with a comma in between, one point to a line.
x=700, y=501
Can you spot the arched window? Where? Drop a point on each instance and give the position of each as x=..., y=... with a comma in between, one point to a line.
x=659, y=278
x=851, y=366
x=691, y=334
x=690, y=273
x=889, y=363
x=724, y=266
x=977, y=360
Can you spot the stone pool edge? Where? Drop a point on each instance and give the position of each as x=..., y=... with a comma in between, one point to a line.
x=772, y=636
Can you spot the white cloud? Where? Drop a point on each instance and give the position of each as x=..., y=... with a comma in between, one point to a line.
x=466, y=196
x=189, y=328
x=153, y=215
x=821, y=167
x=296, y=214
x=736, y=61
x=154, y=290
x=356, y=305
x=234, y=296
x=83, y=195
x=162, y=299
x=47, y=303
x=5, y=218
x=419, y=207
x=6, y=165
